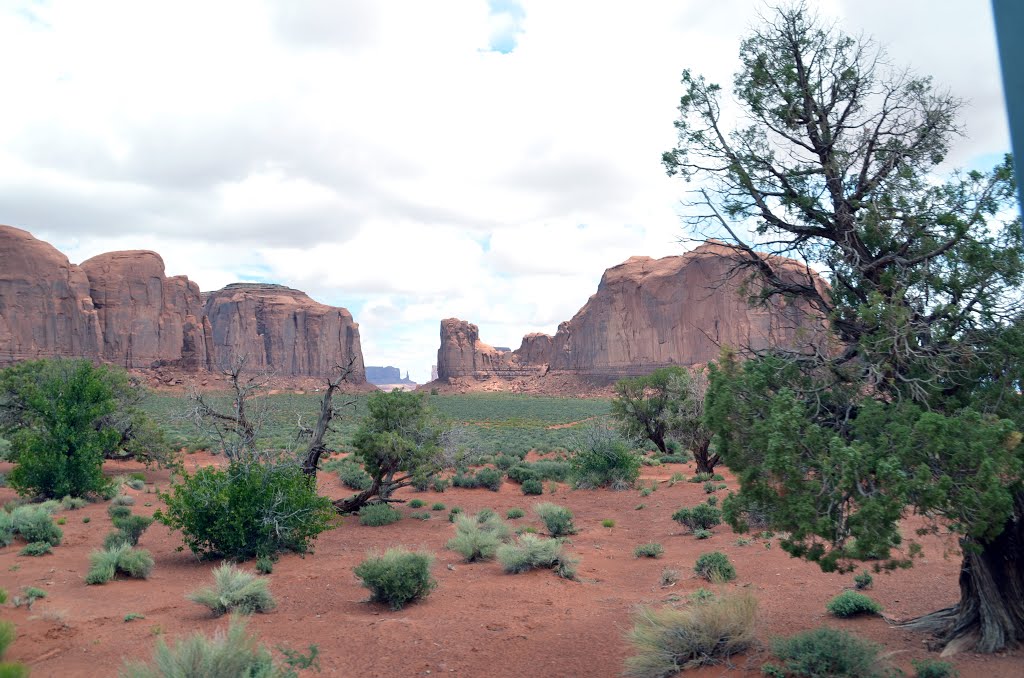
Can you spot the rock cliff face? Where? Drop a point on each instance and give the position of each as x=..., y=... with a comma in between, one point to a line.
x=647, y=313
x=45, y=307
x=120, y=307
x=147, y=319
x=283, y=330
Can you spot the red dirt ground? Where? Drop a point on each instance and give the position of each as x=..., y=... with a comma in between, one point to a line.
x=479, y=621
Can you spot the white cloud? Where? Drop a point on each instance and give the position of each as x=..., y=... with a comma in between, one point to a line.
x=383, y=155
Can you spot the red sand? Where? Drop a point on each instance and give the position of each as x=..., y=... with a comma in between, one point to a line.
x=479, y=621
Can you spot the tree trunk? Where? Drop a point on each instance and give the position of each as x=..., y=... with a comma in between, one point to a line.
x=357, y=501
x=990, y=614
x=706, y=461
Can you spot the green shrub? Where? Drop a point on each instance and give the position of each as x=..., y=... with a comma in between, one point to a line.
x=3, y=596
x=699, y=517
x=669, y=640
x=532, y=486
x=437, y=506
x=714, y=566
x=851, y=603
x=236, y=653
x=675, y=458
x=29, y=595
x=34, y=523
x=863, y=580
x=557, y=519
x=515, y=513
x=440, y=484
x=36, y=548
x=651, y=550
x=376, y=515
x=416, y=503
x=608, y=522
x=132, y=616
x=933, y=668
x=703, y=534
x=505, y=461
x=123, y=500
x=354, y=477
x=828, y=652
x=137, y=484
x=132, y=527
x=710, y=487
x=115, y=511
x=603, y=459
x=702, y=478
x=531, y=552
x=6, y=529
x=454, y=513
x=398, y=577
x=121, y=558
x=234, y=590
x=646, y=492
x=420, y=515
x=490, y=478
x=478, y=537
x=7, y=636
x=265, y=565
x=69, y=503
x=669, y=577
x=115, y=538
x=712, y=501
x=247, y=509
x=465, y=480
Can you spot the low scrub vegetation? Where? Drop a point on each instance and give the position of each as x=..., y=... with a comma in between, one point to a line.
x=478, y=537
x=36, y=548
x=557, y=519
x=652, y=550
x=234, y=590
x=601, y=458
x=851, y=604
x=715, y=567
x=247, y=509
x=530, y=552
x=398, y=577
x=118, y=559
x=34, y=524
x=669, y=640
x=699, y=517
x=826, y=652
x=376, y=515
x=225, y=655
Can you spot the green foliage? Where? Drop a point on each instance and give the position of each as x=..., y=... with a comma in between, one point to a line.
x=863, y=580
x=533, y=487
x=265, y=565
x=540, y=470
x=137, y=484
x=699, y=517
x=828, y=653
x=440, y=484
x=29, y=595
x=116, y=511
x=123, y=500
x=669, y=577
x=851, y=603
x=132, y=616
x=478, y=537
x=608, y=522
x=668, y=640
x=715, y=567
x=36, y=548
x=398, y=577
x=7, y=636
x=420, y=515
x=234, y=590
x=557, y=519
x=236, y=653
x=376, y=515
x=69, y=503
x=531, y=552
x=350, y=473
x=601, y=458
x=933, y=668
x=416, y=503
x=3, y=596
x=247, y=509
x=644, y=407
x=132, y=527
x=437, y=506
x=120, y=558
x=703, y=534
x=651, y=550
x=515, y=513
x=34, y=523
x=489, y=478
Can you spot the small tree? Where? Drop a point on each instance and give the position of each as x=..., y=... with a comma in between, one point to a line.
x=398, y=441
x=667, y=403
x=51, y=413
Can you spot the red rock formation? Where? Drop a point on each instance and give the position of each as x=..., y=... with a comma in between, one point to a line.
x=147, y=318
x=647, y=313
x=283, y=330
x=45, y=307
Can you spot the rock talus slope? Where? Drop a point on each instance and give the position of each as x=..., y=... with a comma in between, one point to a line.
x=646, y=313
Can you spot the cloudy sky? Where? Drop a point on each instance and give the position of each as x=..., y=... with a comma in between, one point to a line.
x=409, y=160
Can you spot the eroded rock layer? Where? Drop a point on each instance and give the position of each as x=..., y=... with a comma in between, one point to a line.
x=647, y=313
x=122, y=308
x=45, y=306
x=282, y=330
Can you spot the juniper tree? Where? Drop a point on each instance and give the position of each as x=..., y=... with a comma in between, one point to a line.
x=913, y=404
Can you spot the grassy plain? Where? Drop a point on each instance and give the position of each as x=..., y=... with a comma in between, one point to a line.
x=491, y=422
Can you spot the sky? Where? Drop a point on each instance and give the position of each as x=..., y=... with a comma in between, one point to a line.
x=408, y=160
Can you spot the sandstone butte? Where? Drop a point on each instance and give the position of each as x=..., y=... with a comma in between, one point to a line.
x=120, y=307
x=647, y=313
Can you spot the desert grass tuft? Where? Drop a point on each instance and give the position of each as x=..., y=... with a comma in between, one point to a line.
x=234, y=590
